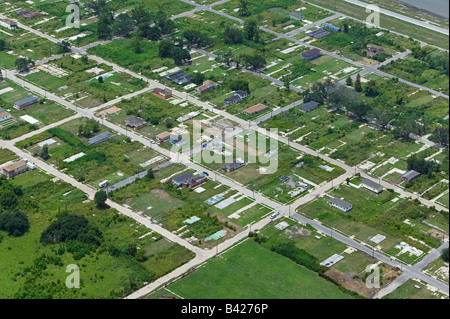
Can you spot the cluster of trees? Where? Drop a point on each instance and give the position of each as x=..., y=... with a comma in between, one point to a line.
x=24, y=64
x=421, y=165
x=76, y=232
x=12, y=220
x=439, y=62
x=195, y=38
x=90, y=127
x=3, y=45
x=253, y=60
x=168, y=49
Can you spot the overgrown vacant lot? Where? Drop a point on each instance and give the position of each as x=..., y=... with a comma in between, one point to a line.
x=6, y=155
x=307, y=240
x=113, y=160
x=31, y=269
x=427, y=66
x=374, y=214
x=251, y=271
x=77, y=79
x=21, y=43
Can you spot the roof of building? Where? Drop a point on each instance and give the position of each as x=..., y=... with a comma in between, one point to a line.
x=26, y=100
x=241, y=93
x=372, y=184
x=9, y=21
x=232, y=165
x=183, y=178
x=311, y=52
x=297, y=15
x=256, y=108
x=111, y=110
x=319, y=33
x=135, y=121
x=340, y=202
x=411, y=175
x=329, y=25
x=232, y=99
x=4, y=114
x=162, y=91
x=309, y=106
x=12, y=167
x=99, y=138
x=163, y=135
x=176, y=75
x=184, y=79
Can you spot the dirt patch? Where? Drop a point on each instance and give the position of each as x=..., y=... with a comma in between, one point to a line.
x=128, y=201
x=297, y=231
x=437, y=234
x=347, y=281
x=162, y=194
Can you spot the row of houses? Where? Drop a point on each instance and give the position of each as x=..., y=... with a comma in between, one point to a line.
x=189, y=180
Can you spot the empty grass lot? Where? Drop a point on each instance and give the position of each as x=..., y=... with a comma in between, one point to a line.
x=251, y=271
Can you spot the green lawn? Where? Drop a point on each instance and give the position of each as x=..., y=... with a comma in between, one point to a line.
x=250, y=271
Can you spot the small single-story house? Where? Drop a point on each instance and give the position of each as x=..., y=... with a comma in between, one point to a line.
x=231, y=167
x=8, y=23
x=163, y=93
x=309, y=106
x=99, y=138
x=208, y=85
x=331, y=27
x=318, y=33
x=183, y=79
x=15, y=169
x=163, y=137
x=188, y=180
x=410, y=176
x=236, y=98
x=372, y=186
x=340, y=204
x=4, y=116
x=258, y=108
x=22, y=12
x=175, y=75
x=26, y=102
x=181, y=179
x=136, y=123
x=296, y=16
x=311, y=54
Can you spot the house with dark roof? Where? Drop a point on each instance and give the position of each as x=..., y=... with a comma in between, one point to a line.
x=31, y=15
x=311, y=54
x=188, y=180
x=340, y=204
x=318, y=33
x=99, y=138
x=136, y=123
x=296, y=16
x=231, y=167
x=26, y=102
x=177, y=140
x=372, y=186
x=410, y=176
x=236, y=98
x=183, y=79
x=175, y=75
x=372, y=51
x=309, y=106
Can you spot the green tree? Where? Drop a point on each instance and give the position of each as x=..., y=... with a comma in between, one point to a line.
x=349, y=81
x=123, y=25
x=44, y=152
x=16, y=223
x=64, y=46
x=251, y=29
x=100, y=199
x=243, y=8
x=150, y=174
x=444, y=255
x=358, y=86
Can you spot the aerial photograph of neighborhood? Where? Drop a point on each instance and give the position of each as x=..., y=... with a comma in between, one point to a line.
x=191, y=150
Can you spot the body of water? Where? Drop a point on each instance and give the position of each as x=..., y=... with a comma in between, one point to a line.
x=439, y=7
